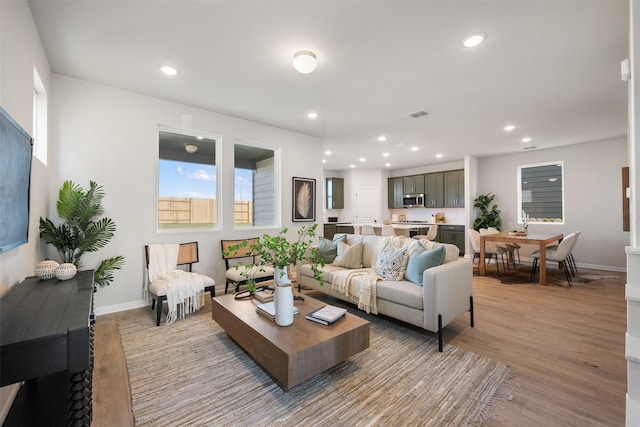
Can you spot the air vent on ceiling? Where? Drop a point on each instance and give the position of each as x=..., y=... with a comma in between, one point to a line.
x=418, y=114
x=532, y=147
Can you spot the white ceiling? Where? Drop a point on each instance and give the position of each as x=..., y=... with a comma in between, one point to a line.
x=552, y=68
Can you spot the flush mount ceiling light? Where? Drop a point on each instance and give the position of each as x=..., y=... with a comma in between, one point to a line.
x=385, y=154
x=509, y=128
x=414, y=148
x=328, y=152
x=439, y=156
x=362, y=159
x=352, y=166
x=169, y=70
x=387, y=164
x=190, y=148
x=526, y=139
x=473, y=40
x=382, y=138
x=312, y=115
x=305, y=61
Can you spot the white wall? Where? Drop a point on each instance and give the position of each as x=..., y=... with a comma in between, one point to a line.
x=592, y=194
x=110, y=136
x=21, y=51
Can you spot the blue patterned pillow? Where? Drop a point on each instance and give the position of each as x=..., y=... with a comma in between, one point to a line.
x=391, y=262
x=422, y=259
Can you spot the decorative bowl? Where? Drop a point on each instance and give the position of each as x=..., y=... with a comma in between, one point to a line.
x=66, y=271
x=46, y=269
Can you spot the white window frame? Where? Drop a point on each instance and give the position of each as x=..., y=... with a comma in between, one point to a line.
x=520, y=209
x=218, y=210
x=40, y=113
x=277, y=187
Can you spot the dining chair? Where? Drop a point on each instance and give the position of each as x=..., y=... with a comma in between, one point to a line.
x=432, y=233
x=572, y=262
x=491, y=250
x=514, y=248
x=508, y=250
x=559, y=255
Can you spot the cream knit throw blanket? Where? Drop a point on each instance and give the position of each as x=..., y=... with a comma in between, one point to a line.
x=185, y=293
x=357, y=285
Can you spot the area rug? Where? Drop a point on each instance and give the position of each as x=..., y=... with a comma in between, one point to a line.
x=191, y=374
x=554, y=277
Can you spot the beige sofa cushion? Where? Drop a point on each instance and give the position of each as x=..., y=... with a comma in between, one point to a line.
x=400, y=292
x=349, y=256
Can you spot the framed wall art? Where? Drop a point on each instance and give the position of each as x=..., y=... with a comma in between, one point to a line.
x=304, y=199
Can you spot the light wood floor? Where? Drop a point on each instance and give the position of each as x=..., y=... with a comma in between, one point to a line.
x=567, y=346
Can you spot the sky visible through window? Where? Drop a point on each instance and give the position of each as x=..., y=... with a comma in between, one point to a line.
x=182, y=179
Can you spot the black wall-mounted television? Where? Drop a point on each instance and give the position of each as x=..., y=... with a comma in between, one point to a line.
x=16, y=147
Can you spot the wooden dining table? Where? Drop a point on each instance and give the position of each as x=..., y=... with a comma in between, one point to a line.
x=540, y=239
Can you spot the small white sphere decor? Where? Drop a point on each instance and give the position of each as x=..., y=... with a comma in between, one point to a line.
x=46, y=269
x=66, y=271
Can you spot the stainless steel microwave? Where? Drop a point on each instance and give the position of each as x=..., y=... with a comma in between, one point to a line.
x=413, y=201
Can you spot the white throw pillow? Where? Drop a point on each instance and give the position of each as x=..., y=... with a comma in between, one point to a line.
x=349, y=256
x=392, y=262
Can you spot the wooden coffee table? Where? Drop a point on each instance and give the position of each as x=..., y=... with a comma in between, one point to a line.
x=295, y=353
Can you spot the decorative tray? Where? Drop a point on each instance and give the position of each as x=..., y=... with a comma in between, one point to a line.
x=517, y=233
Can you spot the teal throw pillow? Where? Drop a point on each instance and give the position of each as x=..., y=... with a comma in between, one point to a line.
x=422, y=259
x=328, y=249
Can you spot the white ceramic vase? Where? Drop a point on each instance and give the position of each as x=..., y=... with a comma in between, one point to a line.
x=283, y=297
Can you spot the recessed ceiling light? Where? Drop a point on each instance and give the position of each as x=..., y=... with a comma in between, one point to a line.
x=190, y=148
x=509, y=128
x=439, y=155
x=169, y=70
x=382, y=138
x=352, y=166
x=312, y=115
x=328, y=152
x=305, y=61
x=387, y=164
x=385, y=154
x=526, y=139
x=414, y=148
x=473, y=40
x=324, y=161
x=362, y=159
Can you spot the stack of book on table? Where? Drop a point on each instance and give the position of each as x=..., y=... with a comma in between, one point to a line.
x=264, y=295
x=327, y=314
x=268, y=310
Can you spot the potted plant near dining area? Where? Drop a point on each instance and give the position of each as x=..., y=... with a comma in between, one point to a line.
x=278, y=252
x=489, y=214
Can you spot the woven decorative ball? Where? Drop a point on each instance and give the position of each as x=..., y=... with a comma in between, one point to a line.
x=66, y=271
x=46, y=269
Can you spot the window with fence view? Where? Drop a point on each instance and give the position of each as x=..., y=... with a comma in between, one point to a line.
x=187, y=183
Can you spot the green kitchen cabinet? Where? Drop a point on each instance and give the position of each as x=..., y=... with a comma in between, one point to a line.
x=454, y=189
x=454, y=235
x=413, y=184
x=395, y=192
x=434, y=197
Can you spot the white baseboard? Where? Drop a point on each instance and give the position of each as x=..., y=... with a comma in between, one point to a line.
x=528, y=260
x=120, y=307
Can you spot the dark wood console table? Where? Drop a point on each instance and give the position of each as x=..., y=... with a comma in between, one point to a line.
x=46, y=340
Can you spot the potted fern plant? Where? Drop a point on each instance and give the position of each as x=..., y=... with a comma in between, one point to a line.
x=82, y=230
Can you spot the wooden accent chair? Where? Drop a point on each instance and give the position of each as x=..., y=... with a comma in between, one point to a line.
x=187, y=256
x=238, y=274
